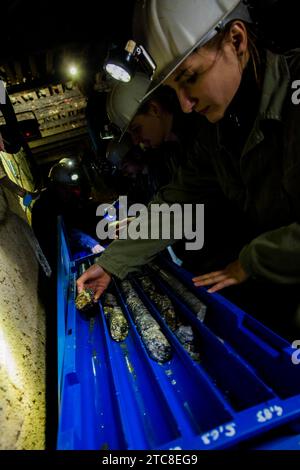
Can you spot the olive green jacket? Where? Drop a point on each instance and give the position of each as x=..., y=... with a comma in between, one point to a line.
x=267, y=188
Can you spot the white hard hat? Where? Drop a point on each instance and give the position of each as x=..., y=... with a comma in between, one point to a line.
x=124, y=100
x=171, y=29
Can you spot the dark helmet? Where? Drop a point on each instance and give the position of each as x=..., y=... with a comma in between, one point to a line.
x=66, y=172
x=68, y=177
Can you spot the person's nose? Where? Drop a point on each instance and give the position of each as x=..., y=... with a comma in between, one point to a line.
x=187, y=103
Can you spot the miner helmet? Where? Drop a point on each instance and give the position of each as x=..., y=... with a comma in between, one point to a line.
x=68, y=177
x=171, y=29
x=66, y=172
x=124, y=100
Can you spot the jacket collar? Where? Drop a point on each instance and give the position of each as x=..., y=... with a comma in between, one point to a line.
x=275, y=87
x=274, y=90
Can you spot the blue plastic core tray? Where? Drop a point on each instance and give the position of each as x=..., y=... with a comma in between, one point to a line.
x=114, y=396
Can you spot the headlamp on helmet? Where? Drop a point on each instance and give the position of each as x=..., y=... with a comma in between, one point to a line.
x=123, y=64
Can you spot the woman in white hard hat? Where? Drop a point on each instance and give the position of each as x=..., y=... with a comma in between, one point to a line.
x=206, y=51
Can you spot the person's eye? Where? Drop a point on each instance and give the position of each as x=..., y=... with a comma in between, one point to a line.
x=187, y=77
x=179, y=76
x=191, y=78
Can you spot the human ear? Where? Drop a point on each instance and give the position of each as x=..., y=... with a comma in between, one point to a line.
x=154, y=109
x=238, y=37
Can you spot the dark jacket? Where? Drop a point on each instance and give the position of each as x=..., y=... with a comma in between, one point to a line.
x=270, y=176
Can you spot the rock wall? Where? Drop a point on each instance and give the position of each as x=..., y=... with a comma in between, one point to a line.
x=22, y=335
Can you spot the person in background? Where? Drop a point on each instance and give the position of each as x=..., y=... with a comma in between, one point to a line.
x=169, y=138
x=27, y=196
x=68, y=195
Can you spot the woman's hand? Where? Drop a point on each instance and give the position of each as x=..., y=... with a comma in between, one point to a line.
x=233, y=274
x=94, y=278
